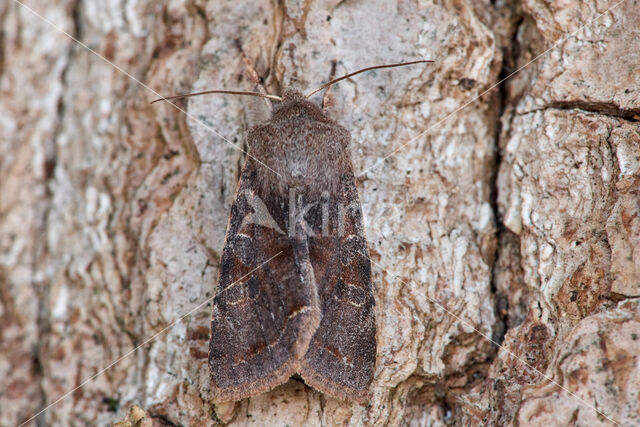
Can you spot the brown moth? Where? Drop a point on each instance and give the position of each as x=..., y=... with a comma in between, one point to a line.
x=309, y=310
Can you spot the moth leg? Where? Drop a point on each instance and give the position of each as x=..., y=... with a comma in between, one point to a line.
x=258, y=109
x=329, y=101
x=253, y=75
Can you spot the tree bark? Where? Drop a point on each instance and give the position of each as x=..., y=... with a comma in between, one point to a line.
x=503, y=218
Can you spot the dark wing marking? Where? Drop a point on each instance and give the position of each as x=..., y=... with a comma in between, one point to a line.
x=341, y=357
x=261, y=325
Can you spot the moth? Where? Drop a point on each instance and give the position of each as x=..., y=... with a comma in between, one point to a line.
x=294, y=290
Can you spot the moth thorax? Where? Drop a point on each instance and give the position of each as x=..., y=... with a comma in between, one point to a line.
x=301, y=153
x=298, y=166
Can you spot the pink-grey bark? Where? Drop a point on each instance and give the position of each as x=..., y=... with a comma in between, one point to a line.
x=519, y=214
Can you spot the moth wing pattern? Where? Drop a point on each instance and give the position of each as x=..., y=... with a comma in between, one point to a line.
x=262, y=322
x=341, y=357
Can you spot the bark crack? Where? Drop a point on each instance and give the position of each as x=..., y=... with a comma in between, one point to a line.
x=600, y=108
x=41, y=246
x=3, y=17
x=510, y=57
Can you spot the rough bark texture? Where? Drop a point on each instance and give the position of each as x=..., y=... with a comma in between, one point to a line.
x=520, y=214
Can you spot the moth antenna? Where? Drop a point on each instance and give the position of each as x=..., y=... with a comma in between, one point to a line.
x=399, y=64
x=230, y=92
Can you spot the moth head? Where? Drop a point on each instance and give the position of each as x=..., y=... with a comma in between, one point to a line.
x=295, y=104
x=290, y=94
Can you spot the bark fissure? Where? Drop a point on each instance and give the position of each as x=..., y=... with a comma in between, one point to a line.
x=601, y=109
